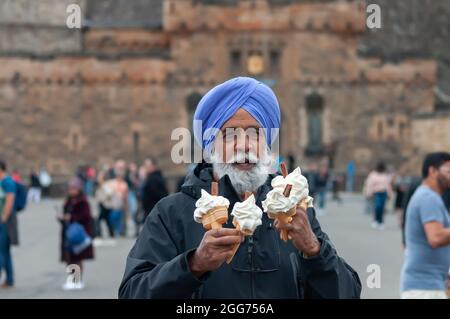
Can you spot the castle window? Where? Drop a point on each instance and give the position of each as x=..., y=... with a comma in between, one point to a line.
x=274, y=57
x=191, y=104
x=314, y=108
x=235, y=62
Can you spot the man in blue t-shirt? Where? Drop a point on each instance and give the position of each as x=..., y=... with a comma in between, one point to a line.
x=7, y=196
x=427, y=234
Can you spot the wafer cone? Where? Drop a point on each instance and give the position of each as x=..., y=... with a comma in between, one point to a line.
x=246, y=232
x=216, y=217
x=303, y=204
x=285, y=217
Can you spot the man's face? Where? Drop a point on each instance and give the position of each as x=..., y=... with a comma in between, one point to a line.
x=120, y=168
x=443, y=176
x=240, y=141
x=240, y=151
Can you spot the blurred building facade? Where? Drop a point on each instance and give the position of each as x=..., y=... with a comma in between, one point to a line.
x=117, y=87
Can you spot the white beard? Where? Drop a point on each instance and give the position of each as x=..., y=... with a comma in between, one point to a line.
x=241, y=180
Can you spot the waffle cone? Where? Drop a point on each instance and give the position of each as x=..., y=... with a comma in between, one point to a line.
x=236, y=247
x=215, y=217
x=284, y=218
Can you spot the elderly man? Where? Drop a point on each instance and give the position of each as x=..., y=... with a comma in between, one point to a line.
x=174, y=257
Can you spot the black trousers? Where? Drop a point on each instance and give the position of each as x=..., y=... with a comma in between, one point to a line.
x=104, y=215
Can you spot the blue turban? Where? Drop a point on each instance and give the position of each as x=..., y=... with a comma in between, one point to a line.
x=224, y=100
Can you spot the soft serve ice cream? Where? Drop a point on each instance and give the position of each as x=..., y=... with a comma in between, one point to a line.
x=281, y=206
x=247, y=215
x=208, y=204
x=276, y=202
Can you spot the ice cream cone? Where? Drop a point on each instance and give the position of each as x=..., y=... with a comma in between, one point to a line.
x=236, y=247
x=215, y=218
x=283, y=218
x=286, y=217
x=246, y=232
x=303, y=204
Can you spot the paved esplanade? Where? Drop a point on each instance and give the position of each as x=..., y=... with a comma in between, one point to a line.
x=40, y=275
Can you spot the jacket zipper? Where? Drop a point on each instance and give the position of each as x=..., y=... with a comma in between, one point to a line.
x=250, y=259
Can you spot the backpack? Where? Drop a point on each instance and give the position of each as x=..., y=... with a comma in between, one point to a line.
x=20, y=201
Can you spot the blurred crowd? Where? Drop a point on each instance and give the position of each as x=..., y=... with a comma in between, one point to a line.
x=125, y=193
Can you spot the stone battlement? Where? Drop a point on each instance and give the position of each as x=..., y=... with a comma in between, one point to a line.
x=71, y=70
x=188, y=16
x=90, y=70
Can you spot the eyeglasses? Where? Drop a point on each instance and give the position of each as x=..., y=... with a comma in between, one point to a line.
x=230, y=134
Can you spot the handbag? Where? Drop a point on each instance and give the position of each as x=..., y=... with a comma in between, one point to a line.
x=77, y=238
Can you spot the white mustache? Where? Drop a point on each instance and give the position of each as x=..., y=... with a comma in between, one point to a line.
x=242, y=157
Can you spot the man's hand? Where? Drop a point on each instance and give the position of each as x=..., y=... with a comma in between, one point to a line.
x=216, y=246
x=301, y=233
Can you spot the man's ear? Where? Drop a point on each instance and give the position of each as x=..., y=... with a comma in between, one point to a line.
x=432, y=171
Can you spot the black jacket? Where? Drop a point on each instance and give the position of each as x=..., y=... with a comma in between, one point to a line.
x=263, y=267
x=154, y=189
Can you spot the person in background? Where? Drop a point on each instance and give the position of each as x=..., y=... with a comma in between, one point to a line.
x=336, y=182
x=414, y=183
x=8, y=225
x=368, y=201
x=81, y=175
x=312, y=176
x=35, y=190
x=321, y=185
x=350, y=177
x=76, y=210
x=110, y=171
x=427, y=233
x=118, y=214
x=154, y=187
x=132, y=179
x=90, y=180
x=15, y=175
x=400, y=183
x=291, y=162
x=446, y=198
x=45, y=180
x=378, y=188
x=104, y=197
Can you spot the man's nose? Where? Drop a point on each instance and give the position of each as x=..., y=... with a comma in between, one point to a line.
x=242, y=142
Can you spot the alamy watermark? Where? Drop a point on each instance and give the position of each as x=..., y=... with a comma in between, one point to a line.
x=374, y=278
x=73, y=16
x=74, y=274
x=373, y=20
